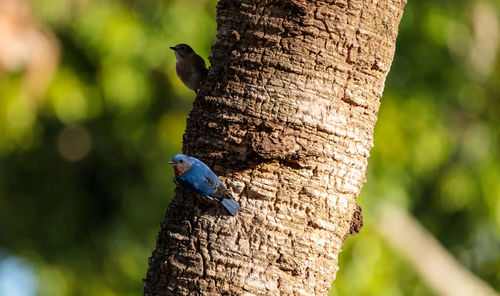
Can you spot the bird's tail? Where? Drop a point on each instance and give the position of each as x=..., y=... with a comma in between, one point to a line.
x=231, y=205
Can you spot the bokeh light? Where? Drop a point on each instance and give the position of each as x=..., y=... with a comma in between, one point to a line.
x=74, y=143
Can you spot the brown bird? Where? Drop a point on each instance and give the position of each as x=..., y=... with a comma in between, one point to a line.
x=190, y=67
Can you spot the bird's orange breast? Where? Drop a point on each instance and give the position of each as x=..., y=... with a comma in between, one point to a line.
x=179, y=171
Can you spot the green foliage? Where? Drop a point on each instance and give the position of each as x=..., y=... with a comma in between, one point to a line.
x=86, y=217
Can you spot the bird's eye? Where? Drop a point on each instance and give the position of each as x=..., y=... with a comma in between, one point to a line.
x=180, y=161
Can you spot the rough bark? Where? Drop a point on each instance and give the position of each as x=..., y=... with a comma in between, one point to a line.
x=286, y=118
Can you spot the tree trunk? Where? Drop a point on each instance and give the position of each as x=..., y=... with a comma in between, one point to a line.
x=286, y=119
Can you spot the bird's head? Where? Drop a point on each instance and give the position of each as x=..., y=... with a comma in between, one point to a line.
x=181, y=162
x=182, y=50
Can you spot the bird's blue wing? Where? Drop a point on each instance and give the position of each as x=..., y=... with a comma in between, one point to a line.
x=209, y=183
x=202, y=180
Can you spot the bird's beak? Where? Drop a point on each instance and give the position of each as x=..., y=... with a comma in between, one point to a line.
x=173, y=48
x=171, y=162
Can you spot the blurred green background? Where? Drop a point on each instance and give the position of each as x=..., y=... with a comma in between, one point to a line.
x=83, y=174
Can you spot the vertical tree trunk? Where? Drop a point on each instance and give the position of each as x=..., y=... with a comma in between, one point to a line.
x=286, y=119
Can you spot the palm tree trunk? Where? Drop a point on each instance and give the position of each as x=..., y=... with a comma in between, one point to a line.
x=286, y=118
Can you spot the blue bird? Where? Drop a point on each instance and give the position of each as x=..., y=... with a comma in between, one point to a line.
x=193, y=175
